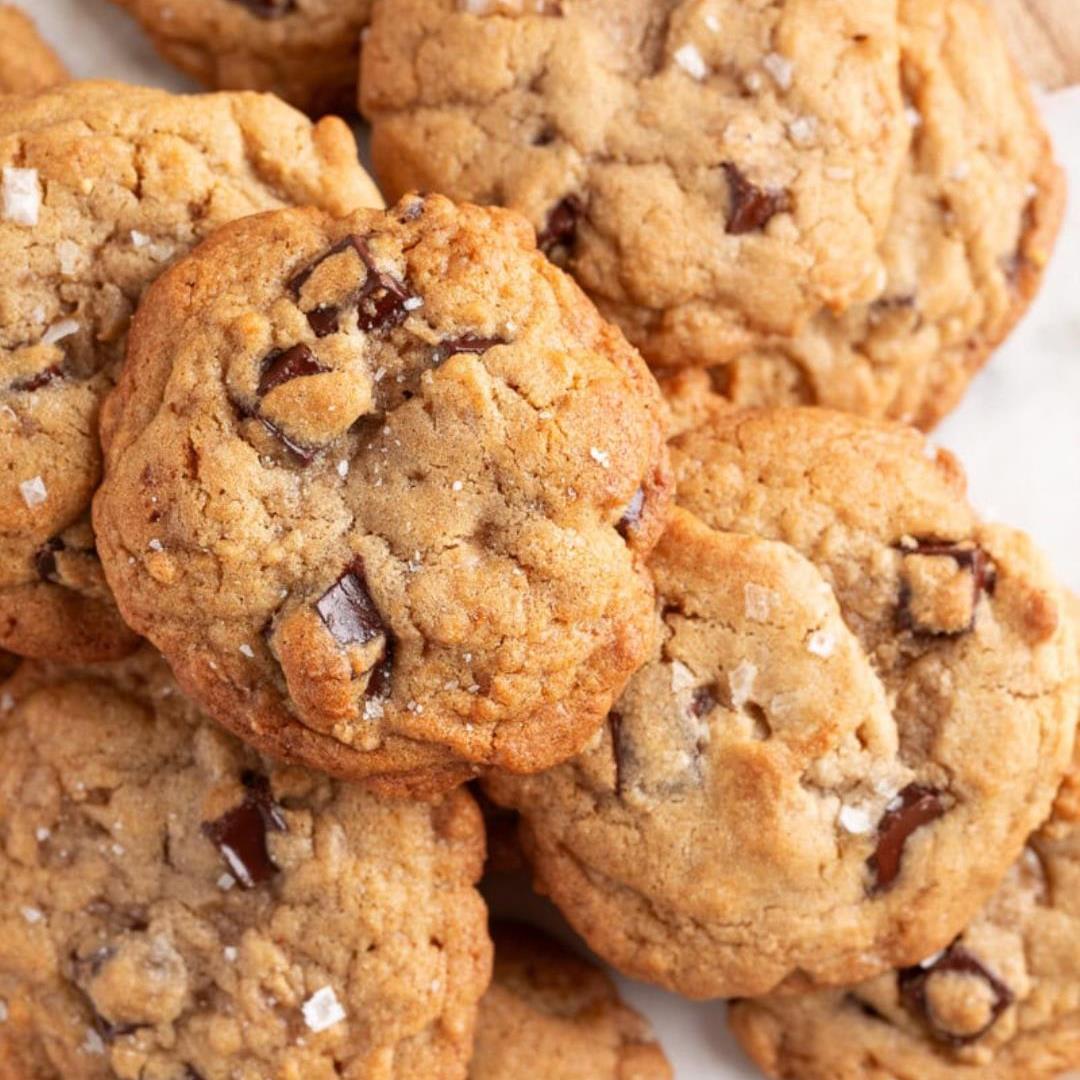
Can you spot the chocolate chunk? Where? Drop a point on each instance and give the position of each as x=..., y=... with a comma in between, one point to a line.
x=631, y=517
x=268, y=9
x=967, y=557
x=284, y=365
x=703, y=701
x=39, y=379
x=466, y=343
x=304, y=454
x=240, y=834
x=45, y=558
x=560, y=233
x=751, y=207
x=914, y=807
x=348, y=610
x=110, y=1032
x=324, y=320
x=298, y=280
x=622, y=754
x=382, y=300
x=913, y=982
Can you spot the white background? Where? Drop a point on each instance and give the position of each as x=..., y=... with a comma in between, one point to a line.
x=1017, y=432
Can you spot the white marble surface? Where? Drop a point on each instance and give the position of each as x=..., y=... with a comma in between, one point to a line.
x=1017, y=432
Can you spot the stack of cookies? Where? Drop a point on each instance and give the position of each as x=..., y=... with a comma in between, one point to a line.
x=589, y=484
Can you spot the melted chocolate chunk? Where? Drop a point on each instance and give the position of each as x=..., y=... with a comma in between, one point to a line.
x=751, y=207
x=631, y=517
x=268, y=9
x=916, y=806
x=967, y=557
x=240, y=833
x=913, y=981
x=703, y=701
x=304, y=454
x=39, y=379
x=466, y=343
x=348, y=610
x=284, y=365
x=560, y=233
x=45, y=558
x=382, y=299
x=621, y=753
x=324, y=320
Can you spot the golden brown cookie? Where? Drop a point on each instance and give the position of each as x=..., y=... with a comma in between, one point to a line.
x=174, y=906
x=861, y=704
x=550, y=1014
x=380, y=488
x=102, y=186
x=26, y=62
x=305, y=51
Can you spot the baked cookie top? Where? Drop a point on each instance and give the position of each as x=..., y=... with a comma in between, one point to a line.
x=305, y=51
x=861, y=704
x=847, y=208
x=1001, y=1002
x=707, y=171
x=172, y=905
x=26, y=62
x=380, y=488
x=101, y=187
x=550, y=1014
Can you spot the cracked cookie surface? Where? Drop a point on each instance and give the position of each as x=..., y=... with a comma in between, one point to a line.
x=305, y=51
x=848, y=210
x=1001, y=1002
x=27, y=63
x=550, y=1014
x=380, y=488
x=861, y=704
x=103, y=186
x=174, y=906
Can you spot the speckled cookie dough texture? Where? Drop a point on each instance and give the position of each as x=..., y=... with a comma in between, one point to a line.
x=380, y=488
x=174, y=906
x=101, y=187
x=1001, y=1002
x=550, y=1014
x=841, y=204
x=26, y=62
x=862, y=703
x=305, y=51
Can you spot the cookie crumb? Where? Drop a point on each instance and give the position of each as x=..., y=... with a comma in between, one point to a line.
x=21, y=195
x=323, y=1010
x=33, y=491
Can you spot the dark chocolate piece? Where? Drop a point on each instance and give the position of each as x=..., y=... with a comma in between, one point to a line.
x=917, y=805
x=284, y=365
x=631, y=517
x=240, y=833
x=751, y=207
x=466, y=343
x=348, y=610
x=560, y=233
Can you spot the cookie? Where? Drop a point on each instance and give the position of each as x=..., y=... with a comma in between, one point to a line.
x=26, y=62
x=380, y=488
x=550, y=1014
x=305, y=51
x=174, y=906
x=1001, y=1002
x=861, y=704
x=102, y=187
x=848, y=210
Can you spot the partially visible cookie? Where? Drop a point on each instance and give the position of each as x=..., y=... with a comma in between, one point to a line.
x=174, y=906
x=26, y=62
x=305, y=51
x=550, y=1014
x=861, y=703
x=1001, y=1002
x=848, y=208
x=380, y=488
x=102, y=187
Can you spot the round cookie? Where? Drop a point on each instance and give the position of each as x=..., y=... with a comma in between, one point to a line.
x=849, y=210
x=1001, y=1002
x=709, y=172
x=26, y=62
x=172, y=905
x=305, y=51
x=861, y=703
x=380, y=488
x=550, y=1014
x=102, y=186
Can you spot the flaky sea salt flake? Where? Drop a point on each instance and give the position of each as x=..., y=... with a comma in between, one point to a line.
x=323, y=1010
x=21, y=195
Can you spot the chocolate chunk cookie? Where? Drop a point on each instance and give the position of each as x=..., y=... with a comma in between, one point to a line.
x=1001, y=1002
x=102, y=187
x=380, y=488
x=173, y=905
x=861, y=704
x=302, y=50
x=848, y=209
x=26, y=62
x=550, y=1014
